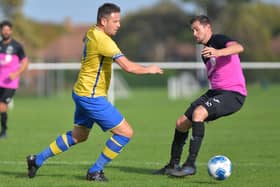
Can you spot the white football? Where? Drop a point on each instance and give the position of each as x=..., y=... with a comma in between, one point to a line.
x=219, y=167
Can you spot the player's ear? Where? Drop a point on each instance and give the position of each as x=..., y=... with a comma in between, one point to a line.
x=209, y=26
x=103, y=21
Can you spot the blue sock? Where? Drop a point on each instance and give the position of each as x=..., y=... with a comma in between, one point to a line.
x=114, y=146
x=61, y=144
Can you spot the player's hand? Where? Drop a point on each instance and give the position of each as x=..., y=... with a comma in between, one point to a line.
x=209, y=52
x=13, y=76
x=154, y=69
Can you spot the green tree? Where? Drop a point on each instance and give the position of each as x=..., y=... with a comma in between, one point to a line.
x=149, y=34
x=214, y=8
x=11, y=8
x=254, y=25
x=33, y=35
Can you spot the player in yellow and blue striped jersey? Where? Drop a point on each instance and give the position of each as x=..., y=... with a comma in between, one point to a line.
x=89, y=95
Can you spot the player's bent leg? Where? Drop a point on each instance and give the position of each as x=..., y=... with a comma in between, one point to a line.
x=198, y=131
x=61, y=144
x=114, y=145
x=189, y=167
x=179, y=140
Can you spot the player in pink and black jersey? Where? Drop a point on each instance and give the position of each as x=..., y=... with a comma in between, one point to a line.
x=226, y=95
x=12, y=63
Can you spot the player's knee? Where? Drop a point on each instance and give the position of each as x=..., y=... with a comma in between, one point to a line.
x=3, y=107
x=79, y=139
x=199, y=114
x=80, y=134
x=83, y=138
x=179, y=124
x=123, y=129
x=129, y=133
x=183, y=125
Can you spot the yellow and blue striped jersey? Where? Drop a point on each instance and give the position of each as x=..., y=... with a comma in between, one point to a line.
x=95, y=74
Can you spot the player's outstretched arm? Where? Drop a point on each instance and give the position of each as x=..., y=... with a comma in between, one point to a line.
x=232, y=48
x=132, y=67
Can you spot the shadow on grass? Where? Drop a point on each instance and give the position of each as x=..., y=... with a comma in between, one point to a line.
x=21, y=175
x=147, y=171
x=195, y=181
x=133, y=169
x=126, y=169
x=15, y=174
x=205, y=182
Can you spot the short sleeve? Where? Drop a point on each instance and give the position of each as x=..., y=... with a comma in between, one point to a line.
x=108, y=48
x=20, y=52
x=220, y=41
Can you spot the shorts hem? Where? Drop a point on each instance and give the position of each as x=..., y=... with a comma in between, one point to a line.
x=116, y=125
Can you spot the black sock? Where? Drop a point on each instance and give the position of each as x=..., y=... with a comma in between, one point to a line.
x=4, y=117
x=198, y=131
x=178, y=143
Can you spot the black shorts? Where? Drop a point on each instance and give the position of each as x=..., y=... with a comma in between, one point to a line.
x=218, y=103
x=6, y=95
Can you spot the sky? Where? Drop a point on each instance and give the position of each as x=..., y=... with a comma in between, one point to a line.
x=83, y=11
x=80, y=11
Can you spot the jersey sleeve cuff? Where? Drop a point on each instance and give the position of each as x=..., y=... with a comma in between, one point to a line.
x=117, y=56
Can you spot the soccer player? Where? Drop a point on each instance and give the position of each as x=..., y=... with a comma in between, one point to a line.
x=226, y=95
x=13, y=62
x=89, y=94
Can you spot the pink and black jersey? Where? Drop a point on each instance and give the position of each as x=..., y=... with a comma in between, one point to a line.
x=225, y=72
x=11, y=55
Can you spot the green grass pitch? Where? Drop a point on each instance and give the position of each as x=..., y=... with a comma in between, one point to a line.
x=250, y=138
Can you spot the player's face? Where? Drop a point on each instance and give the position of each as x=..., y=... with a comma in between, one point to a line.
x=112, y=23
x=6, y=33
x=201, y=32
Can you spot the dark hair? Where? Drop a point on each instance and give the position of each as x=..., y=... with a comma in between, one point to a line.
x=204, y=20
x=6, y=23
x=106, y=9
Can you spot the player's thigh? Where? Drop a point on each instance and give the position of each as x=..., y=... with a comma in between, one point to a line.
x=81, y=117
x=6, y=96
x=224, y=105
x=198, y=102
x=96, y=110
x=106, y=115
x=86, y=109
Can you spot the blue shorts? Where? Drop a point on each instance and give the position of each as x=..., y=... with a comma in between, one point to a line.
x=90, y=110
